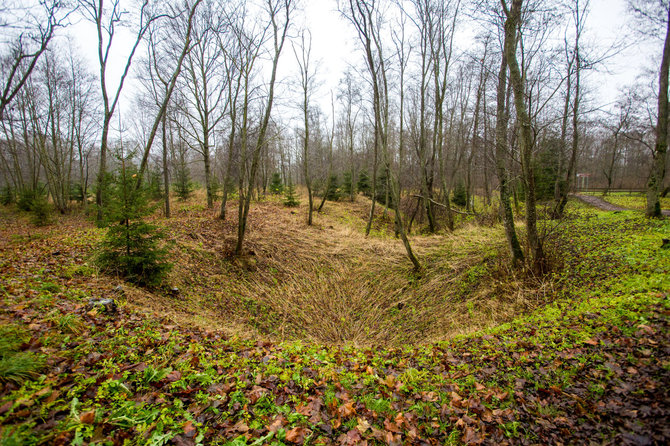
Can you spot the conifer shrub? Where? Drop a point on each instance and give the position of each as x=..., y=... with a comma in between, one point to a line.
x=132, y=248
x=76, y=193
x=276, y=185
x=363, y=184
x=40, y=211
x=6, y=196
x=216, y=187
x=347, y=184
x=155, y=184
x=26, y=199
x=333, y=191
x=460, y=196
x=183, y=186
x=290, y=198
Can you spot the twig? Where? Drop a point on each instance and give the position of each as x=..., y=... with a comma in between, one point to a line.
x=440, y=204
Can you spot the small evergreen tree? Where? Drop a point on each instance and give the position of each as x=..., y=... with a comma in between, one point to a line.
x=545, y=170
x=76, y=193
x=460, y=196
x=290, y=199
x=131, y=247
x=26, y=199
x=363, y=184
x=40, y=210
x=183, y=186
x=347, y=184
x=155, y=185
x=333, y=191
x=216, y=187
x=6, y=196
x=276, y=185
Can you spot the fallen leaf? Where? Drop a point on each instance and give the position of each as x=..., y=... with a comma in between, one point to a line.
x=362, y=425
x=173, y=376
x=391, y=427
x=347, y=409
x=277, y=424
x=297, y=435
x=87, y=417
x=189, y=429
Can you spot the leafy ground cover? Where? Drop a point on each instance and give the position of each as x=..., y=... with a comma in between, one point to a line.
x=635, y=200
x=591, y=363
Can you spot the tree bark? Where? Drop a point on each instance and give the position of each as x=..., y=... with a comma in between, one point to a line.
x=166, y=174
x=525, y=134
x=657, y=175
x=501, y=163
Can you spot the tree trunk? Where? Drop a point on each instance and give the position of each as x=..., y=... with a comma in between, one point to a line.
x=658, y=167
x=525, y=135
x=103, y=166
x=501, y=164
x=166, y=174
x=208, y=173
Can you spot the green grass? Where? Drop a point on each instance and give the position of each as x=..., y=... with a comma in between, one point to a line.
x=15, y=365
x=631, y=200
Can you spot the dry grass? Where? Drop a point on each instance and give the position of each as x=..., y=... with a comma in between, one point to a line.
x=326, y=283
x=329, y=283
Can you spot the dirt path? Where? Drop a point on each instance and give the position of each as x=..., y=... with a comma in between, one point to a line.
x=607, y=206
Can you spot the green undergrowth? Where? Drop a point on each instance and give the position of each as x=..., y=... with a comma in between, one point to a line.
x=591, y=366
x=631, y=200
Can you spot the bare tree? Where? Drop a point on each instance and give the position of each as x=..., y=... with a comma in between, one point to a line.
x=239, y=52
x=655, y=15
x=349, y=94
x=366, y=18
x=574, y=64
x=279, y=12
x=525, y=138
x=624, y=106
x=501, y=154
x=165, y=69
x=205, y=83
x=331, y=142
x=185, y=27
x=306, y=86
x=35, y=32
x=106, y=20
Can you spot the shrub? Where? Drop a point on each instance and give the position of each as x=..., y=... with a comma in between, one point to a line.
x=131, y=248
x=6, y=196
x=333, y=191
x=290, y=199
x=26, y=199
x=183, y=186
x=347, y=184
x=276, y=185
x=41, y=211
x=460, y=195
x=155, y=185
x=363, y=184
x=76, y=193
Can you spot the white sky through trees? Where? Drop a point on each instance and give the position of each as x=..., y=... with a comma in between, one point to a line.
x=335, y=48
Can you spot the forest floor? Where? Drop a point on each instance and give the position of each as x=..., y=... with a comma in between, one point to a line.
x=319, y=335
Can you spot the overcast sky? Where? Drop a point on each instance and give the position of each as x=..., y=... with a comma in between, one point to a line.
x=334, y=47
